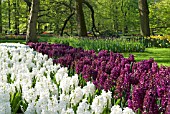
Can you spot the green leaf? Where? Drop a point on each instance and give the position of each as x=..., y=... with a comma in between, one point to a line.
x=16, y=99
x=17, y=107
x=118, y=102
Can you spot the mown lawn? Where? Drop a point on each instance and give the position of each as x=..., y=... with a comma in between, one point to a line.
x=160, y=55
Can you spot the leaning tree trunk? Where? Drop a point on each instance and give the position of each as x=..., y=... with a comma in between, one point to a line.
x=81, y=25
x=31, y=30
x=144, y=17
x=0, y=18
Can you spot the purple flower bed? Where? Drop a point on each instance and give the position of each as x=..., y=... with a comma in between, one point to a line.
x=143, y=85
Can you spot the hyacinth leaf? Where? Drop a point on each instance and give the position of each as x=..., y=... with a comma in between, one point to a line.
x=139, y=111
x=52, y=76
x=16, y=100
x=17, y=107
x=45, y=74
x=118, y=102
x=24, y=105
x=33, y=81
x=71, y=72
x=97, y=92
x=75, y=108
x=106, y=111
x=9, y=78
x=158, y=102
x=81, y=80
x=12, y=97
x=90, y=99
x=123, y=101
x=113, y=101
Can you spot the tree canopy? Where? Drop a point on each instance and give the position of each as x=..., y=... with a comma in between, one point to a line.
x=79, y=17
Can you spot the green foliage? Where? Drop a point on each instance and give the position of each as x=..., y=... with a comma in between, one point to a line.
x=115, y=45
x=118, y=16
x=149, y=42
x=15, y=100
x=159, y=16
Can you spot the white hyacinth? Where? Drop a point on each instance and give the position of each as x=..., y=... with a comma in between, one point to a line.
x=128, y=111
x=74, y=81
x=83, y=108
x=65, y=85
x=30, y=109
x=5, y=107
x=76, y=96
x=89, y=89
x=100, y=102
x=116, y=109
x=68, y=111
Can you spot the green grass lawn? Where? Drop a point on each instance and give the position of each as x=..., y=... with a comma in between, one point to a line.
x=160, y=55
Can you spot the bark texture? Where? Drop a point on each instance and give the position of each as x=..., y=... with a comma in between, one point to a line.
x=81, y=25
x=144, y=17
x=31, y=30
x=9, y=15
x=16, y=6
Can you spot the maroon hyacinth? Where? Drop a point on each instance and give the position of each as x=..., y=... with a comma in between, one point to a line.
x=149, y=103
x=137, y=98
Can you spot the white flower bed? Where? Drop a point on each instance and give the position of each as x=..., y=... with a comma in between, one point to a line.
x=44, y=87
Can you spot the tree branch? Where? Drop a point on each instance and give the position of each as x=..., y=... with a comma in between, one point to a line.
x=65, y=23
x=92, y=16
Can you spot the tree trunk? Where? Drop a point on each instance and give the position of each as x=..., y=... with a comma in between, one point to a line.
x=81, y=25
x=9, y=16
x=16, y=6
x=0, y=18
x=144, y=17
x=31, y=30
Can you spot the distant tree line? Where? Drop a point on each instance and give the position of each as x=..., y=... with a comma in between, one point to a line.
x=81, y=17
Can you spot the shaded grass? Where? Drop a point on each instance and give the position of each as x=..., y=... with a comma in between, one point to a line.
x=160, y=55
